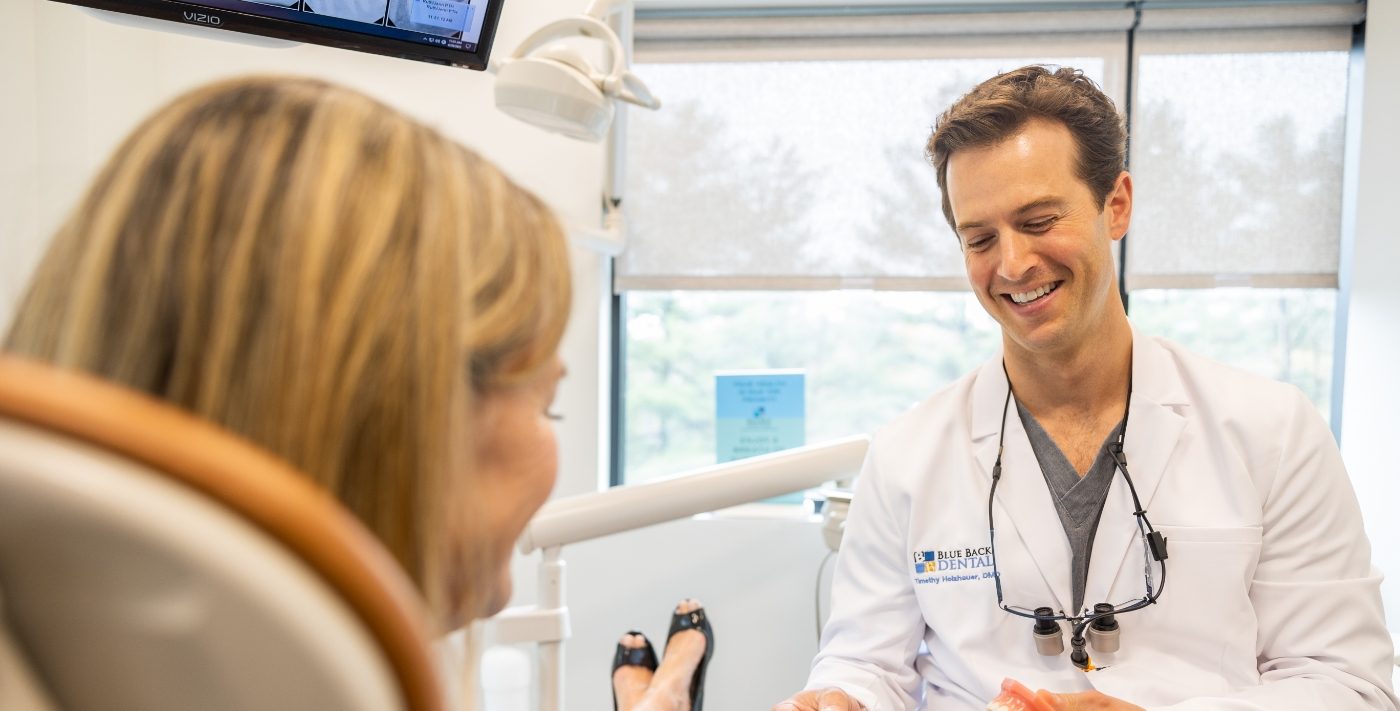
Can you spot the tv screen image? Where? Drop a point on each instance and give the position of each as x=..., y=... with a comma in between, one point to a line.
x=453, y=32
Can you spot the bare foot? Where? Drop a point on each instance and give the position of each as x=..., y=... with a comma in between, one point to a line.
x=670, y=686
x=630, y=682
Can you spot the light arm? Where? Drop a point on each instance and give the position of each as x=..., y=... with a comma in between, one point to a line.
x=624, y=508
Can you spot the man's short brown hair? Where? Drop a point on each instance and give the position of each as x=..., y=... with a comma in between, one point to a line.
x=998, y=107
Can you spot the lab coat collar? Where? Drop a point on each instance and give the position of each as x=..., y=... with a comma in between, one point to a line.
x=1024, y=514
x=1156, y=374
x=1157, y=415
x=1156, y=380
x=1024, y=510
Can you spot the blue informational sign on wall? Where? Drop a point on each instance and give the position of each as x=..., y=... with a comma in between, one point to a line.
x=760, y=411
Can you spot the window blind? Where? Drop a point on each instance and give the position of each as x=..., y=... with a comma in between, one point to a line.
x=789, y=150
x=1237, y=158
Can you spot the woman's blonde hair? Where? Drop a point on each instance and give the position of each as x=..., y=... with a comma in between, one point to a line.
x=323, y=275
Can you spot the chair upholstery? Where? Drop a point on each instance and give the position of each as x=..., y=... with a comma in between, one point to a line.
x=150, y=560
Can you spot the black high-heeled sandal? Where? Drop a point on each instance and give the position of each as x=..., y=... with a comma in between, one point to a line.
x=644, y=657
x=695, y=620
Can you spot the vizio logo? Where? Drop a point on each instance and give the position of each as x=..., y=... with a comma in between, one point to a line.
x=203, y=18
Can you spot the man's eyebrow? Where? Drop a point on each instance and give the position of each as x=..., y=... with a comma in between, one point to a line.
x=965, y=226
x=1050, y=201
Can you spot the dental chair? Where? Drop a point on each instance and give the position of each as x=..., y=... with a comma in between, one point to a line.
x=151, y=561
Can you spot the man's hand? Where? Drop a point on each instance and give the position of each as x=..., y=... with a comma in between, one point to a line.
x=823, y=700
x=1087, y=701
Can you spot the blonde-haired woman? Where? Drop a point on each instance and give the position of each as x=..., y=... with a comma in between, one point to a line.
x=343, y=286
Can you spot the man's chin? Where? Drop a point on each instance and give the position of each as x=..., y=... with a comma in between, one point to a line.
x=1044, y=339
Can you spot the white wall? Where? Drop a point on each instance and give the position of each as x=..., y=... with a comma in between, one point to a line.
x=1371, y=400
x=20, y=243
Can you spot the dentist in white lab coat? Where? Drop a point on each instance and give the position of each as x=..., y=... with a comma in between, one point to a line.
x=1270, y=601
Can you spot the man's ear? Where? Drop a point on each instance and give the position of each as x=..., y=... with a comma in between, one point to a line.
x=1119, y=206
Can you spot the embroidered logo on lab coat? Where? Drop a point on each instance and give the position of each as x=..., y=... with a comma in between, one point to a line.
x=953, y=565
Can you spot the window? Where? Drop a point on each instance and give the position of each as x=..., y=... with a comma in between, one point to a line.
x=808, y=178
x=807, y=175
x=1284, y=334
x=868, y=356
x=781, y=214
x=1237, y=157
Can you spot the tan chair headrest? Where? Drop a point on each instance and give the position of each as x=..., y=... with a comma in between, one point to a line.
x=246, y=480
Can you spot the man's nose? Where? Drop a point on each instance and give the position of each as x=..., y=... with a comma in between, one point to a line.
x=1017, y=256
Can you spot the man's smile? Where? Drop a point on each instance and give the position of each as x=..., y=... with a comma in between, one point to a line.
x=1026, y=297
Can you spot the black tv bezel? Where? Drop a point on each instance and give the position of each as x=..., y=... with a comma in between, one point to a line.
x=247, y=23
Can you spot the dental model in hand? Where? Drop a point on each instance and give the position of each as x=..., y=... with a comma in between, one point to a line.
x=1016, y=697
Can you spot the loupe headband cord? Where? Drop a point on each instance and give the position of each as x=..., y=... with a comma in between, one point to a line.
x=991, y=496
x=1119, y=459
x=1150, y=536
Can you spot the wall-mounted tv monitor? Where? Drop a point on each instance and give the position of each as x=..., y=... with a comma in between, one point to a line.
x=453, y=32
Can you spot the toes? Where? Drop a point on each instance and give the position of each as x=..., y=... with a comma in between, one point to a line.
x=688, y=639
x=685, y=648
x=630, y=681
x=689, y=604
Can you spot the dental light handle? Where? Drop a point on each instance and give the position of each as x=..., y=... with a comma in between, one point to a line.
x=618, y=82
x=631, y=89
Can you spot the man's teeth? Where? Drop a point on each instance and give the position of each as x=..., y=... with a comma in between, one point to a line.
x=1033, y=295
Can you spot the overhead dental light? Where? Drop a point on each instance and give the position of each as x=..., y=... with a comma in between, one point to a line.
x=550, y=83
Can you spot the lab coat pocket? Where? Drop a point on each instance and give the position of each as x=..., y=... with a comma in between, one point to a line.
x=1205, y=611
x=1211, y=534
x=1204, y=563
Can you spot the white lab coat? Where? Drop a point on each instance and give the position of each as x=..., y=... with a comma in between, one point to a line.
x=1270, y=604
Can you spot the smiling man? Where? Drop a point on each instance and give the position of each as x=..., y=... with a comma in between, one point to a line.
x=996, y=529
